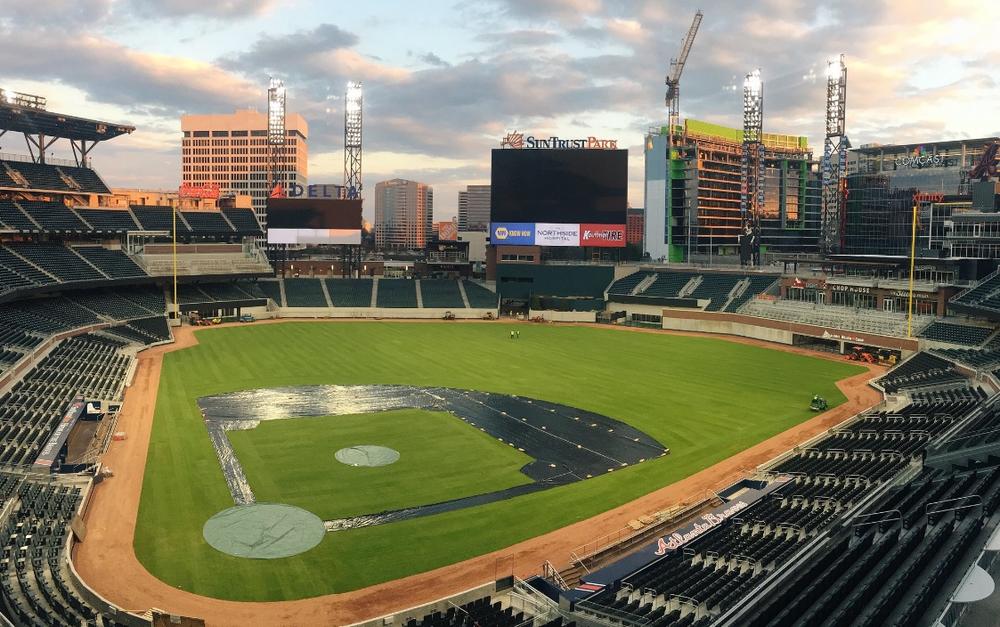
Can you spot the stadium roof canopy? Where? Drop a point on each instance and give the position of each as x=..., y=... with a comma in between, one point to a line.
x=34, y=121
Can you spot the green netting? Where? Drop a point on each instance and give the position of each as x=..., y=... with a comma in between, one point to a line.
x=264, y=531
x=367, y=455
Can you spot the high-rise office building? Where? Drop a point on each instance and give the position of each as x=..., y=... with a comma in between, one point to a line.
x=230, y=150
x=404, y=214
x=474, y=208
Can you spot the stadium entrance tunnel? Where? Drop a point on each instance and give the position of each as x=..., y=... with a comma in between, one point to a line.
x=567, y=444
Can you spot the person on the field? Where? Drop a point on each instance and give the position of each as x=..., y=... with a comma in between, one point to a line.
x=512, y=334
x=518, y=334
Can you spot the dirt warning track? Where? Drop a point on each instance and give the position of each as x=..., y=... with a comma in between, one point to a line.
x=108, y=564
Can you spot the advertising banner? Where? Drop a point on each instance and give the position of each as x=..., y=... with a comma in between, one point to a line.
x=548, y=234
x=512, y=233
x=604, y=235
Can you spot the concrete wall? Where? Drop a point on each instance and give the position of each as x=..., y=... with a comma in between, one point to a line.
x=442, y=605
x=564, y=316
x=728, y=328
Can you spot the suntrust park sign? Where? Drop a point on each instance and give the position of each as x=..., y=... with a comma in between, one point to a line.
x=518, y=140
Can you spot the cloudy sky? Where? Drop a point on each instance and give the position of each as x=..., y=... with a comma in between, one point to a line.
x=444, y=79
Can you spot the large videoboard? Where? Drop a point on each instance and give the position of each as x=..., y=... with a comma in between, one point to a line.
x=559, y=197
x=313, y=221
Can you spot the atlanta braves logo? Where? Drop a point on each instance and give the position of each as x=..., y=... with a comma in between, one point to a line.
x=513, y=140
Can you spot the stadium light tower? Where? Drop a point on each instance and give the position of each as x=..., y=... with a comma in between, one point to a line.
x=834, y=154
x=276, y=136
x=353, y=101
x=752, y=166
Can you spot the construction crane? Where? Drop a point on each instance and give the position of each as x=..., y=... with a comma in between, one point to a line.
x=673, y=81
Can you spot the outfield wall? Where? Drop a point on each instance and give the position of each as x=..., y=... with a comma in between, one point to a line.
x=414, y=313
x=564, y=316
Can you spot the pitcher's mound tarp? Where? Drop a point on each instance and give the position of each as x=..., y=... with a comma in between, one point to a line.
x=367, y=455
x=264, y=531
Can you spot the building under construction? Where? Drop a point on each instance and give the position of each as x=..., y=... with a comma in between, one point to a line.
x=692, y=194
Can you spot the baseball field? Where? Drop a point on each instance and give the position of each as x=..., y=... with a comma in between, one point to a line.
x=705, y=399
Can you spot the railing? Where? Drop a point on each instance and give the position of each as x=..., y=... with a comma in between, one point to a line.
x=7, y=156
x=953, y=614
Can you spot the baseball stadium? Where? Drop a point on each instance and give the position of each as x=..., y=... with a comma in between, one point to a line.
x=218, y=409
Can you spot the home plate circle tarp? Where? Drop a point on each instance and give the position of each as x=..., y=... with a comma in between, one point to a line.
x=264, y=531
x=367, y=455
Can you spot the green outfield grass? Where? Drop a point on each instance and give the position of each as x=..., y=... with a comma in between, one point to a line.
x=291, y=461
x=706, y=399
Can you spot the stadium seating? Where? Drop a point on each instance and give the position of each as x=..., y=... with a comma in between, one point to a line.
x=986, y=288
x=304, y=293
x=53, y=217
x=483, y=612
x=23, y=268
x=716, y=288
x=48, y=177
x=34, y=589
x=921, y=370
x=956, y=333
x=207, y=223
x=668, y=283
x=85, y=365
x=395, y=293
x=350, y=292
x=12, y=217
x=625, y=285
x=114, y=263
x=59, y=261
x=10, y=280
x=244, y=221
x=272, y=290
x=110, y=303
x=142, y=331
x=479, y=297
x=156, y=218
x=108, y=220
x=441, y=293
x=220, y=292
x=758, y=284
x=890, y=572
x=834, y=316
x=986, y=358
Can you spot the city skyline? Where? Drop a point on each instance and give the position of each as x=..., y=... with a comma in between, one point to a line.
x=444, y=84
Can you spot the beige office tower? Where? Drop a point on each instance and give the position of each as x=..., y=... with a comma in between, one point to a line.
x=231, y=150
x=474, y=208
x=404, y=214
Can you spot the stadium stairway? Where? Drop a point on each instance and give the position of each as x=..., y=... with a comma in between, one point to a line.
x=326, y=293
x=465, y=297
